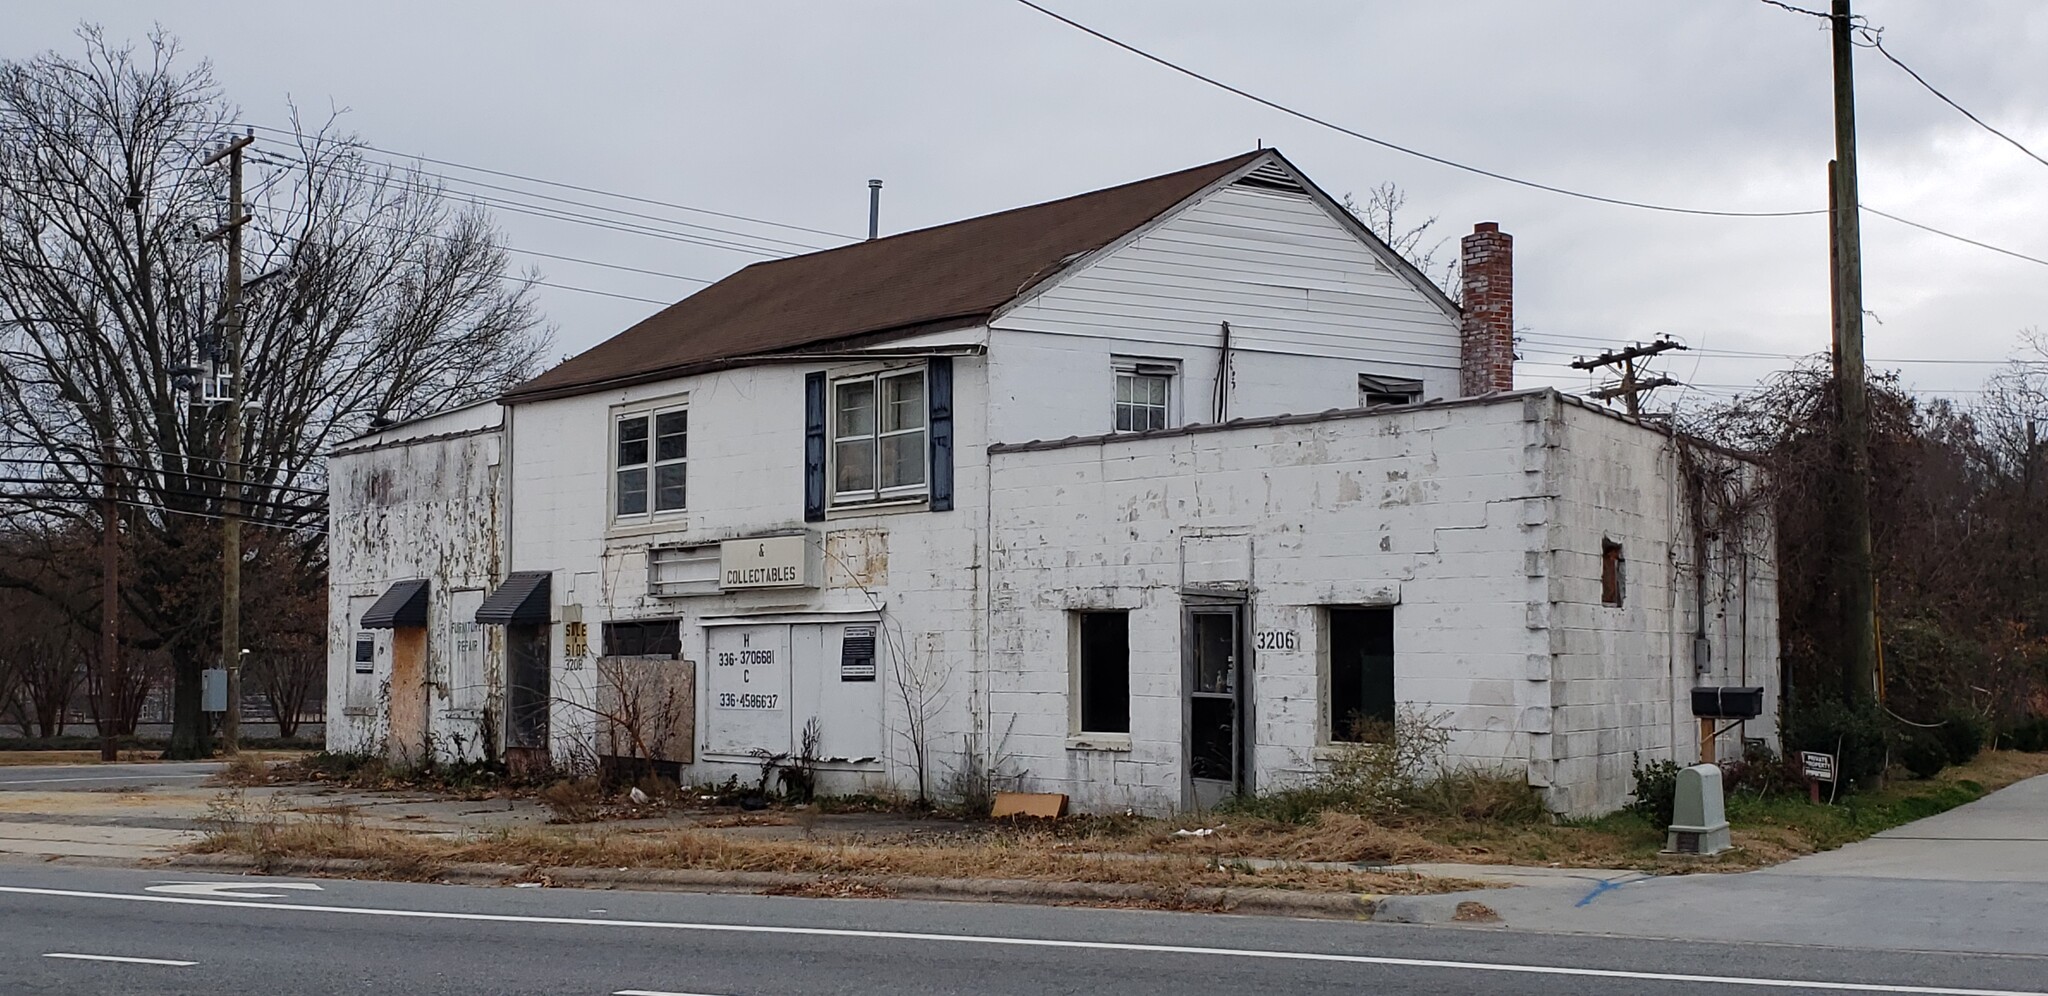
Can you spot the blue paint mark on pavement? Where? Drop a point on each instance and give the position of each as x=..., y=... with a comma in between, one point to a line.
x=1604, y=886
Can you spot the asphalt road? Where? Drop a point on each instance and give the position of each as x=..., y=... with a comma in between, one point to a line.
x=94, y=777
x=356, y=937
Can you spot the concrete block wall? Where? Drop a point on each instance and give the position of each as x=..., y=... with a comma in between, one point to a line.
x=1620, y=676
x=417, y=501
x=1423, y=509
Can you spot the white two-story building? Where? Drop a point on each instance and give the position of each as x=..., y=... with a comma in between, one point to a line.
x=1148, y=496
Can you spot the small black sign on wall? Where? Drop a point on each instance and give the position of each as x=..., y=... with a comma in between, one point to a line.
x=857, y=654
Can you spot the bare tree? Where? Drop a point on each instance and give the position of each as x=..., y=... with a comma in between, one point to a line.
x=1379, y=213
x=39, y=648
x=919, y=675
x=374, y=297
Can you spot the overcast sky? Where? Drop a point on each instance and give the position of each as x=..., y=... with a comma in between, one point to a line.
x=782, y=111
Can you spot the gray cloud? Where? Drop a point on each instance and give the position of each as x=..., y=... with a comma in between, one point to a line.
x=782, y=110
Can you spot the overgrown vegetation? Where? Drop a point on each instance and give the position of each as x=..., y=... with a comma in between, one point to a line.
x=1959, y=513
x=1403, y=769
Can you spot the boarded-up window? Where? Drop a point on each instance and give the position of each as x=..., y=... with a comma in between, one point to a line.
x=1361, y=705
x=1103, y=672
x=643, y=638
x=1613, y=573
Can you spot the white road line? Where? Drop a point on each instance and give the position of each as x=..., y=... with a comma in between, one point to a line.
x=137, y=778
x=1033, y=942
x=118, y=958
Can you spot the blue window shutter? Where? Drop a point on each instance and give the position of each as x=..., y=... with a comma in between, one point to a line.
x=814, y=446
x=938, y=380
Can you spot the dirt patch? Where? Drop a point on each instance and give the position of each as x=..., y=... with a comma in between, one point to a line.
x=1471, y=912
x=833, y=888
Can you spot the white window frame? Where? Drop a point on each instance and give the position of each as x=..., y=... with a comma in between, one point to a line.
x=1135, y=370
x=878, y=493
x=652, y=466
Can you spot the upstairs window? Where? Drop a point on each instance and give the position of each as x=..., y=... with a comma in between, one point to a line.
x=1144, y=394
x=879, y=444
x=650, y=457
x=1374, y=390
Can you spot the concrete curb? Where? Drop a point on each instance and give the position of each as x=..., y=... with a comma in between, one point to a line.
x=1267, y=902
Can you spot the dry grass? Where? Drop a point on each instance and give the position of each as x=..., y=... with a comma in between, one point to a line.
x=268, y=834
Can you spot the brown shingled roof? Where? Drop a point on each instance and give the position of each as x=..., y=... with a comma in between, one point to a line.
x=950, y=276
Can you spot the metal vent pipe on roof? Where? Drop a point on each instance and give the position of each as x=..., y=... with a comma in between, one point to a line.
x=874, y=209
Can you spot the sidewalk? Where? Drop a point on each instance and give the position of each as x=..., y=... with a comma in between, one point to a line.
x=1968, y=880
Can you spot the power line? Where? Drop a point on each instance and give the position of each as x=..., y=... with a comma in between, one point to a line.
x=1952, y=235
x=1405, y=150
x=1322, y=122
x=543, y=211
x=97, y=499
x=568, y=186
x=137, y=469
x=1874, y=39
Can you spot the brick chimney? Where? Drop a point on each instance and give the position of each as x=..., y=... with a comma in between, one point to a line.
x=1486, y=352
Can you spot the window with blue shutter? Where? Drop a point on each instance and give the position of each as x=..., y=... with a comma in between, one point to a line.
x=939, y=390
x=814, y=446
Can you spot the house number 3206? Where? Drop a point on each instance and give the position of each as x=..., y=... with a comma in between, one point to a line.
x=1277, y=639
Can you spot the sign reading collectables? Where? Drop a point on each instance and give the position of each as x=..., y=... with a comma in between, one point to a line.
x=766, y=562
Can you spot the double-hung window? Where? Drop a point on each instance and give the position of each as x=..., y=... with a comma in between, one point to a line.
x=879, y=443
x=1144, y=394
x=650, y=451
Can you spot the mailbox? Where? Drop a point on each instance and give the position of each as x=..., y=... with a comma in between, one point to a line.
x=1727, y=702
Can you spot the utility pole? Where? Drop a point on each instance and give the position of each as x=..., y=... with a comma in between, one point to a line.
x=1633, y=384
x=1858, y=574
x=110, y=595
x=231, y=503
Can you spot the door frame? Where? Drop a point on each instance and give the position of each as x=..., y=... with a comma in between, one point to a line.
x=1243, y=728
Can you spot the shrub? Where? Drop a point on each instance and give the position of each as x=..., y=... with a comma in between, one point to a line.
x=1962, y=734
x=1861, y=736
x=1656, y=794
x=2029, y=735
x=1761, y=771
x=1476, y=794
x=1923, y=754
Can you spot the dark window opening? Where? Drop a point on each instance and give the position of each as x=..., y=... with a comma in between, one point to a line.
x=1613, y=573
x=527, y=691
x=1361, y=708
x=366, y=654
x=1374, y=390
x=652, y=638
x=1105, y=672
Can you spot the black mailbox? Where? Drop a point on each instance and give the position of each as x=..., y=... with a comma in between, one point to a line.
x=1727, y=702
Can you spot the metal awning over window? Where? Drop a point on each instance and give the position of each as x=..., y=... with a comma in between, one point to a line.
x=521, y=601
x=402, y=604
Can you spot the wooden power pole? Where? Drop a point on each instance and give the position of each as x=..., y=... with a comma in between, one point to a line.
x=1857, y=571
x=110, y=600
x=1633, y=384
x=231, y=499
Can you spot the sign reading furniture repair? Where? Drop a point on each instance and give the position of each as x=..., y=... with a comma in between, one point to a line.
x=765, y=562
